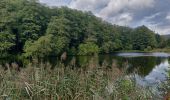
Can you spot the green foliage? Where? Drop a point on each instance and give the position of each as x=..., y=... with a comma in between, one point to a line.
x=26, y=21
x=161, y=42
x=168, y=42
x=107, y=47
x=88, y=49
x=149, y=48
x=142, y=38
x=126, y=38
x=40, y=48
x=58, y=26
x=6, y=42
x=58, y=44
x=126, y=84
x=32, y=20
x=59, y=29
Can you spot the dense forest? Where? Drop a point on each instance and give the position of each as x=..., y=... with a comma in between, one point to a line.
x=32, y=29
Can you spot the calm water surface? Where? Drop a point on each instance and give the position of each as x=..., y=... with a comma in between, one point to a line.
x=148, y=69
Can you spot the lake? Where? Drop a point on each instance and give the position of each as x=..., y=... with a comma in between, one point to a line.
x=148, y=69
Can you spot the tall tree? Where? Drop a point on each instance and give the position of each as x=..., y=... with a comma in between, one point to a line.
x=59, y=28
x=142, y=38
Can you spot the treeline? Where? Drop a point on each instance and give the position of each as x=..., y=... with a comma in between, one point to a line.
x=32, y=29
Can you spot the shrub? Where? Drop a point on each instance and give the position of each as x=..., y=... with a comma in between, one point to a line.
x=88, y=49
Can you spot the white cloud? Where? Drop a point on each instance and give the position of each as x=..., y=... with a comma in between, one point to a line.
x=168, y=17
x=88, y=5
x=115, y=6
x=151, y=16
x=147, y=20
x=121, y=11
x=55, y=2
x=122, y=19
x=155, y=26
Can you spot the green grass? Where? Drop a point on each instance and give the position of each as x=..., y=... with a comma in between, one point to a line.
x=161, y=50
x=167, y=50
x=129, y=51
x=92, y=82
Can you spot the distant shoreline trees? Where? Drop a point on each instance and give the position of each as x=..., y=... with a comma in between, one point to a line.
x=32, y=29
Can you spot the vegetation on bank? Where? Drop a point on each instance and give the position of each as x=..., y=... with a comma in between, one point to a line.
x=161, y=50
x=39, y=81
x=165, y=50
x=33, y=29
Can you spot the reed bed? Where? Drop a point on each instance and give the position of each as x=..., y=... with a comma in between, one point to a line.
x=39, y=81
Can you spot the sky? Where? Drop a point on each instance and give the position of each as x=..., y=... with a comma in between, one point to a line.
x=155, y=14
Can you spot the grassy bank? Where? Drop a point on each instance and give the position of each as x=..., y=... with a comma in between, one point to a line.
x=91, y=82
x=167, y=50
x=161, y=50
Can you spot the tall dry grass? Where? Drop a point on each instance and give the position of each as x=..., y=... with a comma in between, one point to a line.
x=92, y=82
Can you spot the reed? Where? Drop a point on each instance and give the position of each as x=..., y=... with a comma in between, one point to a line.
x=92, y=82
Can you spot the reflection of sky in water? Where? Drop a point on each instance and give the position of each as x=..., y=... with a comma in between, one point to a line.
x=143, y=54
x=156, y=76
